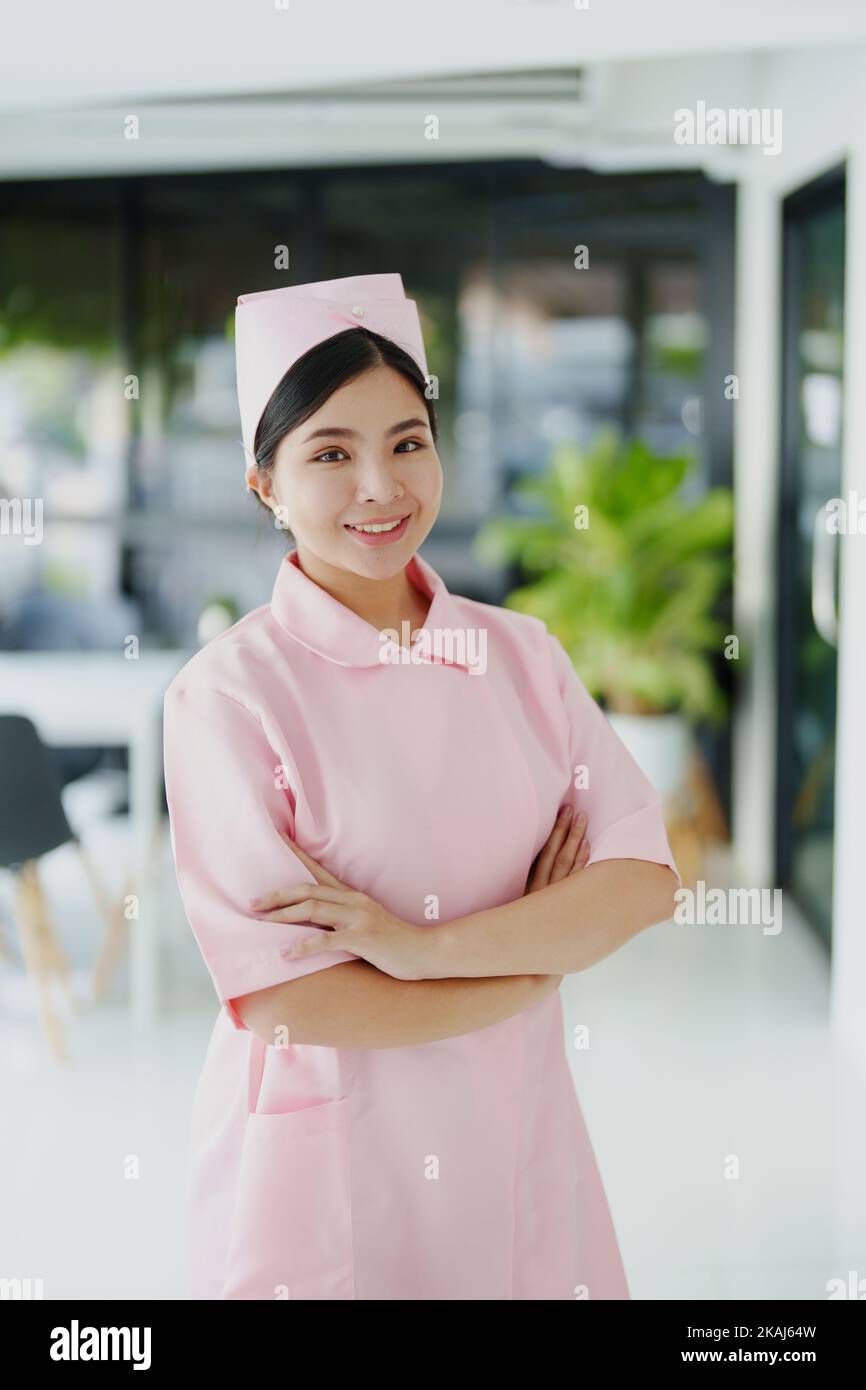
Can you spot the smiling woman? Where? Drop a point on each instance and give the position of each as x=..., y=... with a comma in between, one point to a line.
x=344, y=489
x=372, y=863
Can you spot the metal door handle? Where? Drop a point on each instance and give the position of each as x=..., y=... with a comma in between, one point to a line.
x=824, y=614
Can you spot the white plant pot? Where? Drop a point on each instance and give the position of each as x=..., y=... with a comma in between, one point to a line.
x=660, y=744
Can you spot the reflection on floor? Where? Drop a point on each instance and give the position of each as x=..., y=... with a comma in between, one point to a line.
x=708, y=1049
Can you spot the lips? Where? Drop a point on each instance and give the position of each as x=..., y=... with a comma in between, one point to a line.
x=395, y=529
x=376, y=521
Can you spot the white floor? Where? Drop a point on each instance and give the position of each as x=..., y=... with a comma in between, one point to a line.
x=709, y=1047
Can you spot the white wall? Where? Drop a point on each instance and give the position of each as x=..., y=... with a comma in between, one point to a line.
x=823, y=99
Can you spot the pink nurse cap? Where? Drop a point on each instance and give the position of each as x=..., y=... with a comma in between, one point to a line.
x=273, y=328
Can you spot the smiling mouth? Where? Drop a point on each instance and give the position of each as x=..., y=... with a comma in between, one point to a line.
x=376, y=528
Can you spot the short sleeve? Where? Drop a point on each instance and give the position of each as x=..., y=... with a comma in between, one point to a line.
x=227, y=804
x=623, y=809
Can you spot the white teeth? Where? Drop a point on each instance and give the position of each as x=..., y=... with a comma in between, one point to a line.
x=373, y=530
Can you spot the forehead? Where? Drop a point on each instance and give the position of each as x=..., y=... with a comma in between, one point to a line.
x=372, y=393
x=369, y=406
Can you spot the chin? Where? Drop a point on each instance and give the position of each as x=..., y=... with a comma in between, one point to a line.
x=379, y=564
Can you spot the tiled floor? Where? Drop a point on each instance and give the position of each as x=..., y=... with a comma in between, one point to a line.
x=708, y=1051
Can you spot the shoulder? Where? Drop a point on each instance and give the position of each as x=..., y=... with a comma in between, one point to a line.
x=227, y=664
x=531, y=654
x=520, y=637
x=506, y=624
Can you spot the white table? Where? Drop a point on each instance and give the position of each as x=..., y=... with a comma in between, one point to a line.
x=82, y=699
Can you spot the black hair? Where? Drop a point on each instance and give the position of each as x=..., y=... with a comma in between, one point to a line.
x=323, y=370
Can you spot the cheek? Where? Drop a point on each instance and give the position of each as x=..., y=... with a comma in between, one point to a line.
x=427, y=483
x=318, y=497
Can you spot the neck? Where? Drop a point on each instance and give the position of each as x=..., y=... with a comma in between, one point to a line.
x=384, y=603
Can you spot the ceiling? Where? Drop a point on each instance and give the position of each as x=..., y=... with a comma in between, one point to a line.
x=226, y=84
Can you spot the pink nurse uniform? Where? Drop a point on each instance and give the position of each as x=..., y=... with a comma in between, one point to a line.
x=453, y=1169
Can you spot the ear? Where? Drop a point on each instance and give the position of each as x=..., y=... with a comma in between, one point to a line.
x=260, y=483
x=256, y=479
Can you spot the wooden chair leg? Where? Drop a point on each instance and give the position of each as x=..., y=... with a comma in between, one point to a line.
x=54, y=955
x=114, y=942
x=116, y=936
x=112, y=913
x=39, y=956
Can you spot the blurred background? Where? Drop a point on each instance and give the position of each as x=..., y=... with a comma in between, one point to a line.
x=661, y=316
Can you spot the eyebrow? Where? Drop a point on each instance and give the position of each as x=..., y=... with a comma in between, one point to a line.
x=338, y=432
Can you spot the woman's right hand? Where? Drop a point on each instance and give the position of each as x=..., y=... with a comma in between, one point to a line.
x=565, y=852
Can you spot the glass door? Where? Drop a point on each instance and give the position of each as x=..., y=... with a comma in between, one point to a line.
x=811, y=476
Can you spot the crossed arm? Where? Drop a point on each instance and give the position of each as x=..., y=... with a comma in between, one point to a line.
x=418, y=984
x=568, y=926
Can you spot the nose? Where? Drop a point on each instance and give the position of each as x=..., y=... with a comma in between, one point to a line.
x=377, y=480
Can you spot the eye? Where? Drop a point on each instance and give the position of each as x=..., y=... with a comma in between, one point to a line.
x=323, y=457
x=328, y=455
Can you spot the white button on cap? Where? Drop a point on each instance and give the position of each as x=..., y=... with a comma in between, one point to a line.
x=356, y=309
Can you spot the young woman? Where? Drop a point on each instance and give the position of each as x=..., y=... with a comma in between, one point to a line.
x=365, y=779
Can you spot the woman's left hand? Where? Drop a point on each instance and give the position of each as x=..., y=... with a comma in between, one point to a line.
x=351, y=921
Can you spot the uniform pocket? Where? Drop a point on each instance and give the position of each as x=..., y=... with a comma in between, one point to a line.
x=292, y=1227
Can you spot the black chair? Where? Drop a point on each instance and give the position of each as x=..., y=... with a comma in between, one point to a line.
x=33, y=822
x=41, y=620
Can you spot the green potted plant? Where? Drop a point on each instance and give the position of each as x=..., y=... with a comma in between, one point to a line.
x=219, y=612
x=626, y=571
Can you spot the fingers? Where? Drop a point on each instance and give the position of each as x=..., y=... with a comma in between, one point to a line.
x=320, y=874
x=298, y=892
x=566, y=860
x=314, y=945
x=582, y=856
x=551, y=849
x=314, y=912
